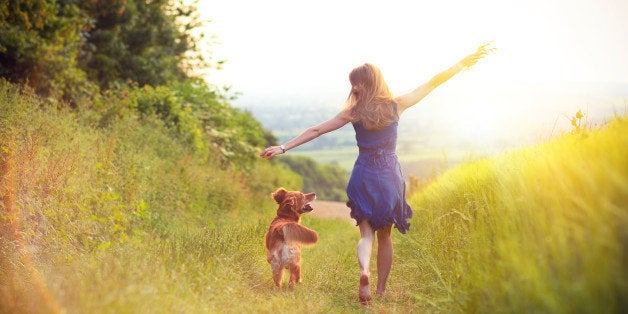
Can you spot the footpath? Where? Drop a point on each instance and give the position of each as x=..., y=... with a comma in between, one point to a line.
x=327, y=209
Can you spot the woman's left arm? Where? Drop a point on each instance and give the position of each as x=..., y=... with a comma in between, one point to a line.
x=408, y=100
x=311, y=133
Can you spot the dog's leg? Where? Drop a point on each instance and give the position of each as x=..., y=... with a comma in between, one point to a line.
x=278, y=275
x=295, y=274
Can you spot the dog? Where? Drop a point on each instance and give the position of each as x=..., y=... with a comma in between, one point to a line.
x=286, y=235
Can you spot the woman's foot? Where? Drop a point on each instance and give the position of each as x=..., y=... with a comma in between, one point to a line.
x=364, y=292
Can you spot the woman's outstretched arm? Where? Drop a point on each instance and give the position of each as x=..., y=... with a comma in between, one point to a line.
x=408, y=100
x=311, y=133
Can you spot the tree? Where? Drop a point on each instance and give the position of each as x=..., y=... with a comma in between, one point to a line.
x=327, y=181
x=63, y=47
x=146, y=42
x=40, y=43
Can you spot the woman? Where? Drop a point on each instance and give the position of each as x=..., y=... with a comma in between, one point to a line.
x=376, y=189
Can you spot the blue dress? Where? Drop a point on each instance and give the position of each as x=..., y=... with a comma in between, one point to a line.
x=376, y=189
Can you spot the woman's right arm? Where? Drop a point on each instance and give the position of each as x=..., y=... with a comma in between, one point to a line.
x=408, y=100
x=311, y=133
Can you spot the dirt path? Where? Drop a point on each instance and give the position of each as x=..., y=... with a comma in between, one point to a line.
x=327, y=209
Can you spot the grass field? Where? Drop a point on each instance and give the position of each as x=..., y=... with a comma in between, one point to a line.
x=415, y=162
x=541, y=230
x=93, y=222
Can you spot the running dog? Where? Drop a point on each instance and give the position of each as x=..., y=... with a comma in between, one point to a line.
x=286, y=236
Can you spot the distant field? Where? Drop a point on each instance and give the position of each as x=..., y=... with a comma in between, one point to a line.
x=419, y=163
x=344, y=157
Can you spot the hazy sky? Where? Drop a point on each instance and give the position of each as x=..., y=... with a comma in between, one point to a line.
x=279, y=45
x=276, y=48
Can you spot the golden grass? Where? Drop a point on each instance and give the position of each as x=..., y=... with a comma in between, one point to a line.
x=541, y=229
x=124, y=219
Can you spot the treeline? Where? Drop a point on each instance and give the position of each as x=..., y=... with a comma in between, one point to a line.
x=110, y=60
x=327, y=180
x=69, y=49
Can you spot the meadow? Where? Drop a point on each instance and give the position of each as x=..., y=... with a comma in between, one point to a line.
x=540, y=229
x=127, y=219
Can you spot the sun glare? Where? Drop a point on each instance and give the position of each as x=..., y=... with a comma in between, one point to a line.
x=279, y=47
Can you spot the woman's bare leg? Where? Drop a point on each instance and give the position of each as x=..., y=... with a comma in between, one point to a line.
x=365, y=247
x=384, y=258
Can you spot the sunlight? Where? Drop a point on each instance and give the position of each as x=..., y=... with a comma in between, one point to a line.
x=278, y=49
x=272, y=45
x=477, y=124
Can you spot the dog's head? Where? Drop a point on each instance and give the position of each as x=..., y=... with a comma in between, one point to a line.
x=293, y=203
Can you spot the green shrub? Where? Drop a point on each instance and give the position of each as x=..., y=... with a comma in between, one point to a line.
x=329, y=181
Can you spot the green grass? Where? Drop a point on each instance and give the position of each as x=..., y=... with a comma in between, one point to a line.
x=539, y=230
x=125, y=219
x=220, y=270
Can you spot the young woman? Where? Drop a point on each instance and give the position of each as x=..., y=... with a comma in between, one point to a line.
x=376, y=189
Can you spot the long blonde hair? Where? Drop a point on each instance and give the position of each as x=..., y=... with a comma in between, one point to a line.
x=370, y=100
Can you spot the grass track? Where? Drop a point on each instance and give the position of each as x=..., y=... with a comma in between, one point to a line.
x=225, y=271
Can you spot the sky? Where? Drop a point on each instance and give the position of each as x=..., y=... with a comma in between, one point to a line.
x=274, y=48
x=277, y=45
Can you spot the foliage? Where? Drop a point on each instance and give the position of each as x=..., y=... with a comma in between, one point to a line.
x=579, y=126
x=67, y=48
x=137, y=52
x=72, y=191
x=143, y=41
x=40, y=43
x=235, y=133
x=328, y=181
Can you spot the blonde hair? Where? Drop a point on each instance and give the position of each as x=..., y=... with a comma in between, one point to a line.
x=370, y=100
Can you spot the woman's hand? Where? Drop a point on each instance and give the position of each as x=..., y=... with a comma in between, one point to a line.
x=480, y=53
x=271, y=152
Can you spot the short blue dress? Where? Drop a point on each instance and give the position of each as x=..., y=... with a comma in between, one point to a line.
x=376, y=189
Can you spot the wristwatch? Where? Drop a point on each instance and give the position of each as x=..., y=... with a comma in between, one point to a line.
x=283, y=149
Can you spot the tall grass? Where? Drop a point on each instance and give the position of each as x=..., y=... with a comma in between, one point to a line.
x=542, y=230
x=124, y=218
x=81, y=202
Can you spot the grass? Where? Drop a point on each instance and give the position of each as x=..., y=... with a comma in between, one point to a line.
x=541, y=229
x=125, y=219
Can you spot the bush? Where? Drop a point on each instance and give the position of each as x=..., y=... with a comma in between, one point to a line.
x=73, y=191
x=329, y=182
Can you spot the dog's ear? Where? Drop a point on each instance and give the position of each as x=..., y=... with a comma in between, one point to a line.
x=309, y=197
x=280, y=195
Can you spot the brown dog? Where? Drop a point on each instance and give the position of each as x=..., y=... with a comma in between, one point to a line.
x=286, y=236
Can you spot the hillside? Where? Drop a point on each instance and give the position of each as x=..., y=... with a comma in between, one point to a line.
x=541, y=229
x=78, y=188
x=126, y=219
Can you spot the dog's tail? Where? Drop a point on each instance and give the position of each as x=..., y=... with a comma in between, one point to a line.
x=293, y=232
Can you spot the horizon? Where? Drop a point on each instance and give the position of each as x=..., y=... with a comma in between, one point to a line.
x=440, y=132
x=536, y=110
x=551, y=59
